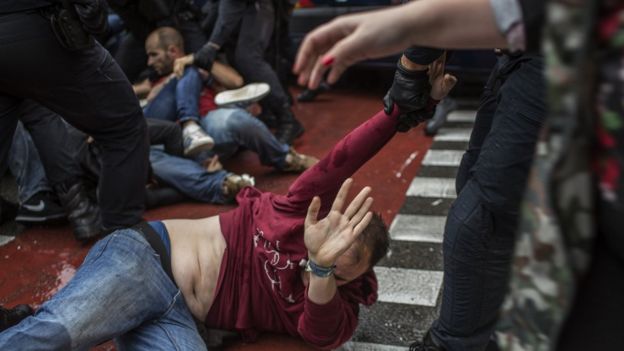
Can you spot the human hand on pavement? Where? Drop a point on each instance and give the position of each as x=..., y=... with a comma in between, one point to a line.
x=330, y=237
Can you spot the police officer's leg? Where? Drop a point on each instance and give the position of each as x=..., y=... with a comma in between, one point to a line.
x=91, y=92
x=253, y=39
x=8, y=123
x=480, y=229
x=60, y=160
x=481, y=128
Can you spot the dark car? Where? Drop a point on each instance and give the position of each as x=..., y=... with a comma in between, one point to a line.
x=472, y=67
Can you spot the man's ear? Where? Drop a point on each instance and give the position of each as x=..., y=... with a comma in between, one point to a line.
x=174, y=51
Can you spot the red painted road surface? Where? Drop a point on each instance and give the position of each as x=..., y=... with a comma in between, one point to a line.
x=43, y=258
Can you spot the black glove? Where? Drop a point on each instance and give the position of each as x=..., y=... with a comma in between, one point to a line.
x=92, y=14
x=205, y=57
x=410, y=91
x=409, y=121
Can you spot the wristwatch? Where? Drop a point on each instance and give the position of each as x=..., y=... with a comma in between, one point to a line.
x=319, y=271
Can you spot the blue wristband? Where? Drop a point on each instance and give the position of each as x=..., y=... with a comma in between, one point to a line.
x=319, y=271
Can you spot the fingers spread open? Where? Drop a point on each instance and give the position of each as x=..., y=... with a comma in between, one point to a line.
x=342, y=195
x=357, y=202
x=362, y=211
x=359, y=228
x=313, y=210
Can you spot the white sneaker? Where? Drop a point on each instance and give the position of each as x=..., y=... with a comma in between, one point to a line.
x=195, y=140
x=247, y=94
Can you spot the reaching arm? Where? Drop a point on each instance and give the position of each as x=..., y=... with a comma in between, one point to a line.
x=465, y=24
x=346, y=157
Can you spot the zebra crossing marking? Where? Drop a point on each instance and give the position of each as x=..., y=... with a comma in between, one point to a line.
x=420, y=228
x=5, y=239
x=450, y=158
x=367, y=346
x=462, y=116
x=408, y=286
x=432, y=187
x=453, y=134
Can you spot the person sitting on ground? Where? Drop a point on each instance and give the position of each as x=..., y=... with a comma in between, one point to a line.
x=231, y=128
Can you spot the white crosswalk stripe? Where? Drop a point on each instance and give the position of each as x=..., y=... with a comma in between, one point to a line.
x=408, y=286
x=5, y=239
x=453, y=134
x=432, y=187
x=443, y=158
x=366, y=346
x=408, y=227
x=462, y=116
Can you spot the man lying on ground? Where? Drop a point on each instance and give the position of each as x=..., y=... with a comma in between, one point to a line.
x=268, y=265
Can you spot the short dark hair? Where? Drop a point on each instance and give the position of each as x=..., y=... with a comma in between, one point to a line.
x=376, y=239
x=169, y=36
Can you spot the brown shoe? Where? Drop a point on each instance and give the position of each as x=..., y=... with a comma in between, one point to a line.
x=235, y=183
x=296, y=162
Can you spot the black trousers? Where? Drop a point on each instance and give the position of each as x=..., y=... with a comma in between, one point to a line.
x=255, y=33
x=88, y=90
x=59, y=159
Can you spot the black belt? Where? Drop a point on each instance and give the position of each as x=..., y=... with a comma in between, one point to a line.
x=156, y=243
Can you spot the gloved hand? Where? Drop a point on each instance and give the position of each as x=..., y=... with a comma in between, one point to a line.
x=205, y=57
x=408, y=122
x=410, y=91
x=92, y=15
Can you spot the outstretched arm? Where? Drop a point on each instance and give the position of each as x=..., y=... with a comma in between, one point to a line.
x=346, y=157
x=434, y=23
x=357, y=147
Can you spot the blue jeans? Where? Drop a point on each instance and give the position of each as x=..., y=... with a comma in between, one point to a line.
x=188, y=177
x=481, y=225
x=232, y=128
x=26, y=167
x=178, y=100
x=120, y=291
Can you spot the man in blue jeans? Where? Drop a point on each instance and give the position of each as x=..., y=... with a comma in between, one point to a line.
x=231, y=128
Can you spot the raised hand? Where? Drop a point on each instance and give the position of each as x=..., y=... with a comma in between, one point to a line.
x=441, y=83
x=328, y=238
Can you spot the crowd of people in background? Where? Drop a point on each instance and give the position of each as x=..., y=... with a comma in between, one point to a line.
x=161, y=91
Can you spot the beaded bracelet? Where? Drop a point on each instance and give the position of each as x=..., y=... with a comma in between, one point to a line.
x=319, y=271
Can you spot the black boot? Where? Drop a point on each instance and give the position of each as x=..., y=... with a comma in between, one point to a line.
x=426, y=344
x=82, y=213
x=10, y=317
x=289, y=127
x=444, y=108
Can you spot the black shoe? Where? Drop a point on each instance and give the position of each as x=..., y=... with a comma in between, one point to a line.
x=82, y=213
x=41, y=207
x=310, y=94
x=8, y=211
x=289, y=127
x=10, y=317
x=444, y=108
x=426, y=344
